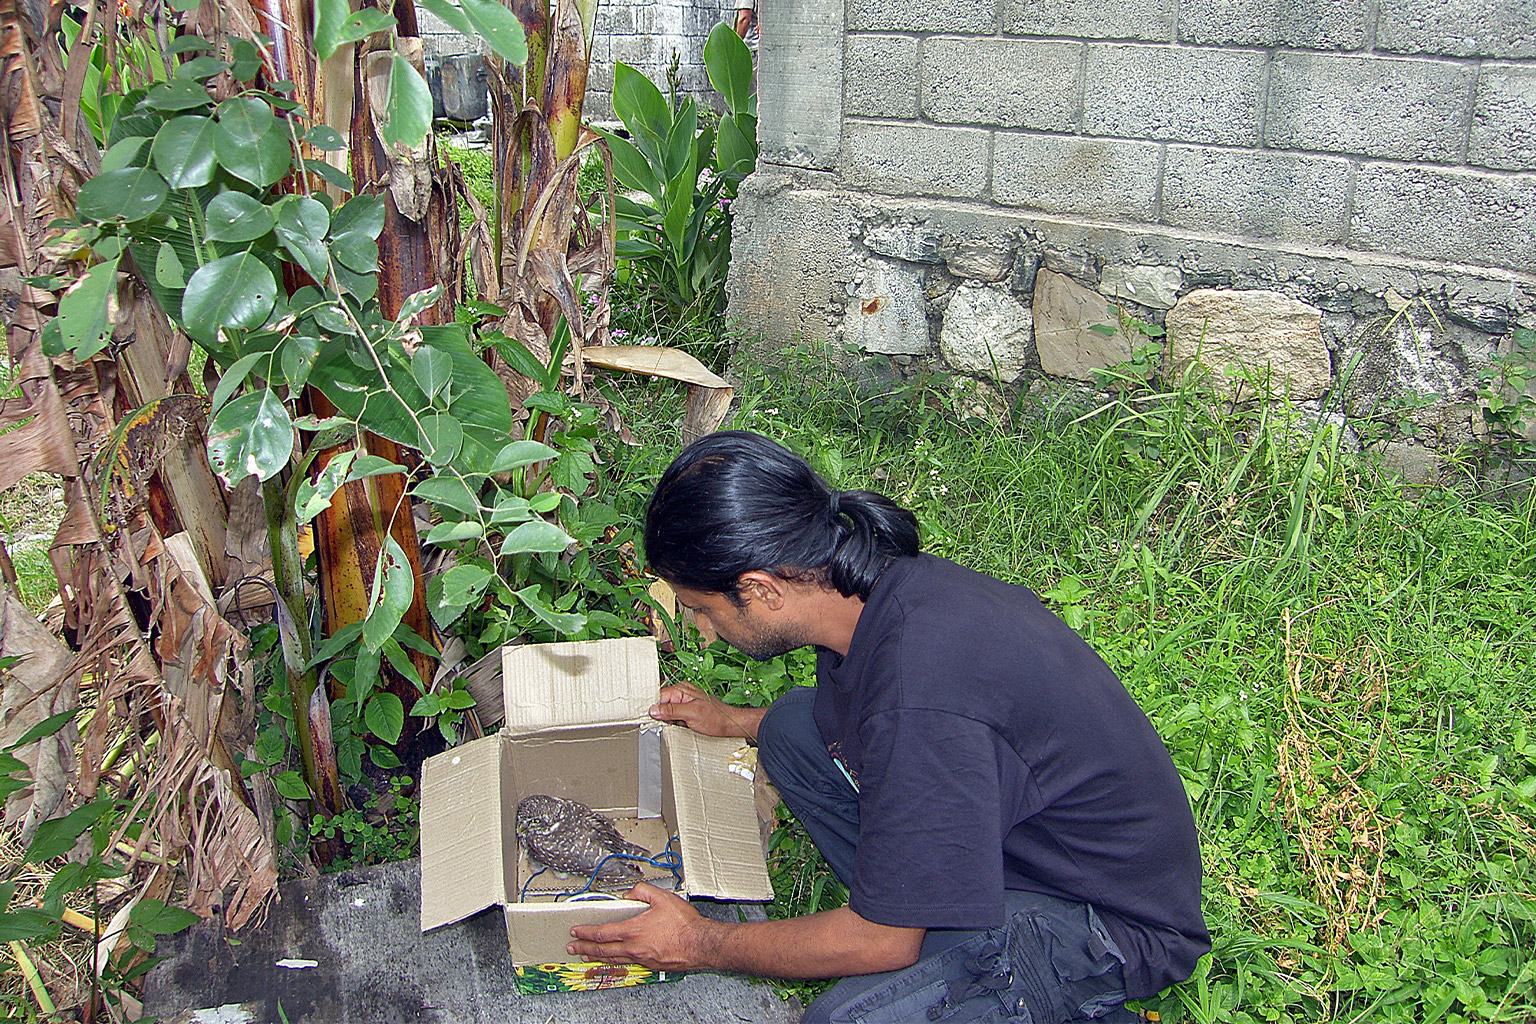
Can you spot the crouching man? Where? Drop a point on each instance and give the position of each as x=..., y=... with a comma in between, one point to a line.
x=1015, y=839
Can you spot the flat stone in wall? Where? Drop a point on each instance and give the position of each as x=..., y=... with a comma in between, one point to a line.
x=979, y=259
x=800, y=83
x=1066, y=314
x=1183, y=93
x=1406, y=109
x=1151, y=286
x=1257, y=333
x=888, y=313
x=988, y=332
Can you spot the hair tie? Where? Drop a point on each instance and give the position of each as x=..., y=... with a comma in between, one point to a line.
x=836, y=504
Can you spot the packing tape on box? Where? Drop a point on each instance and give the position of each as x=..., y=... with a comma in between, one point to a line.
x=648, y=796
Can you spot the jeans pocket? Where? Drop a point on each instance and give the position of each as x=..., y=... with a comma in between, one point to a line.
x=940, y=988
x=1076, y=964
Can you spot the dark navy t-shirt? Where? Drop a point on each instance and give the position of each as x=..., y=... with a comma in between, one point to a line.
x=994, y=750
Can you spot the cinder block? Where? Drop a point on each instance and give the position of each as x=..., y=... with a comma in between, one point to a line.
x=916, y=160
x=1504, y=118
x=880, y=76
x=800, y=83
x=1309, y=24
x=964, y=16
x=1396, y=107
x=643, y=52
x=1091, y=19
x=1106, y=178
x=1182, y=94
x=1452, y=215
x=429, y=24
x=1257, y=194
x=1458, y=28
x=1009, y=83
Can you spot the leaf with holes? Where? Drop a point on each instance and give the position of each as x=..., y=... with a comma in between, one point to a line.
x=498, y=28
x=408, y=107
x=301, y=227
x=128, y=195
x=393, y=587
x=237, y=217
x=83, y=310
x=168, y=269
x=449, y=593
x=183, y=151
x=314, y=496
x=251, y=436
x=298, y=358
x=232, y=291
x=560, y=622
x=250, y=144
x=536, y=536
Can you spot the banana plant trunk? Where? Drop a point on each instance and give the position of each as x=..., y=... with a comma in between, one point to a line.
x=418, y=250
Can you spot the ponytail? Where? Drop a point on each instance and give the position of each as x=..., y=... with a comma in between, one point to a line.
x=735, y=502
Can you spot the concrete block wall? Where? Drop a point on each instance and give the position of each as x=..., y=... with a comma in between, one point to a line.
x=1303, y=121
x=1372, y=160
x=644, y=34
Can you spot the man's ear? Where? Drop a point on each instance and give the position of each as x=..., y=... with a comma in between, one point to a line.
x=763, y=587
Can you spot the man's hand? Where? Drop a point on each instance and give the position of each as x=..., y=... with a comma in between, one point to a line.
x=670, y=936
x=686, y=704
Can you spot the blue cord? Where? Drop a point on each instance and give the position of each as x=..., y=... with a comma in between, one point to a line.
x=523, y=896
x=669, y=859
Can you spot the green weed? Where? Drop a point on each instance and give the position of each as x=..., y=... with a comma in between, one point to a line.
x=1340, y=669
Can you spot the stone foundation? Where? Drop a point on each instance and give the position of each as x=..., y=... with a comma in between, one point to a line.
x=1337, y=203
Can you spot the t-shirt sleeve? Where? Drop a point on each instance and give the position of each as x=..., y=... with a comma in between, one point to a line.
x=930, y=851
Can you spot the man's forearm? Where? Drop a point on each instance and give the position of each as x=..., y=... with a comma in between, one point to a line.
x=831, y=944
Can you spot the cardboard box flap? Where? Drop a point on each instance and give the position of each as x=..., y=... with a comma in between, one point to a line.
x=587, y=682
x=538, y=932
x=716, y=818
x=461, y=832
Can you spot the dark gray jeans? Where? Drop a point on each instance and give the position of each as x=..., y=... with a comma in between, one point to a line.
x=1051, y=962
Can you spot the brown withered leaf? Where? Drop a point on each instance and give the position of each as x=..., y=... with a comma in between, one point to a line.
x=38, y=686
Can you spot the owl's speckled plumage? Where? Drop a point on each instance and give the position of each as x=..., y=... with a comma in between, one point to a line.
x=571, y=837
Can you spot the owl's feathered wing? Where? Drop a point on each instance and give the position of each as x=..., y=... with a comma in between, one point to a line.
x=579, y=842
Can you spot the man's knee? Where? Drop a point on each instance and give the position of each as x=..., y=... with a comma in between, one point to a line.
x=787, y=721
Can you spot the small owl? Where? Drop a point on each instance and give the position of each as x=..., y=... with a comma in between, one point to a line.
x=571, y=837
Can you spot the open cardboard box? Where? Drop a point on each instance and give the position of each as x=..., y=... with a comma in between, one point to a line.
x=577, y=727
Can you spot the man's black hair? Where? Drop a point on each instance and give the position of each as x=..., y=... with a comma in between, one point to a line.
x=736, y=502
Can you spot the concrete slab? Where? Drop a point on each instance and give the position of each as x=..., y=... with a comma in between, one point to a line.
x=371, y=965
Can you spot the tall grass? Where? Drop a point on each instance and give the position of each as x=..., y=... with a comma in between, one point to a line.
x=1340, y=667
